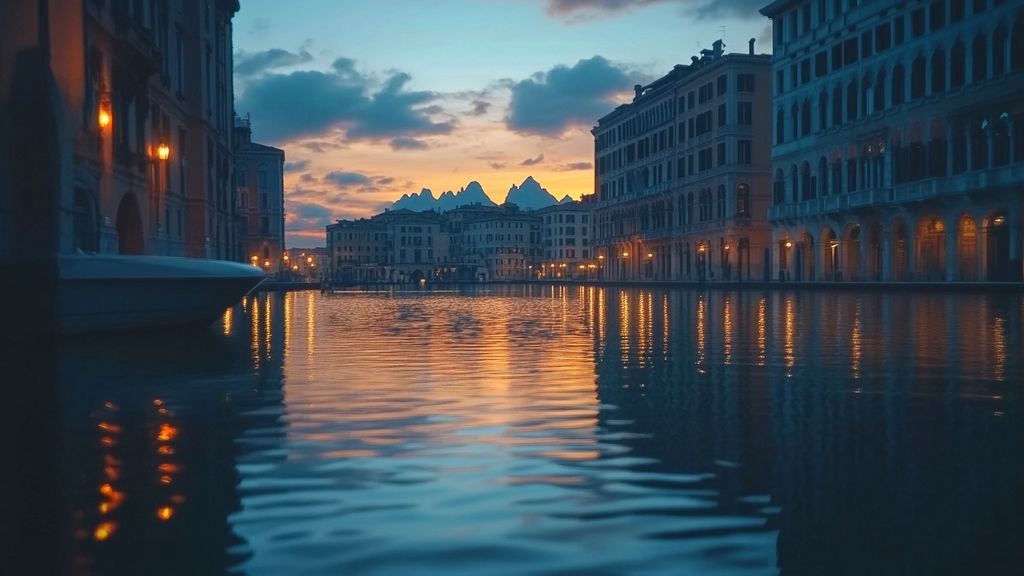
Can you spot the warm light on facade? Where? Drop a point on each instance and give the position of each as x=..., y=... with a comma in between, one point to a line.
x=103, y=118
x=701, y=248
x=650, y=255
x=625, y=254
x=999, y=220
x=163, y=151
x=165, y=513
x=789, y=244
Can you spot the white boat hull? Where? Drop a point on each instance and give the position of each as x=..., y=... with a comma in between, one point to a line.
x=102, y=293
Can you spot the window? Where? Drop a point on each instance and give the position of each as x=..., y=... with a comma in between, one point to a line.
x=937, y=15
x=744, y=113
x=805, y=71
x=743, y=201
x=837, y=56
x=850, y=51
x=261, y=177
x=917, y=23
x=821, y=64
x=745, y=83
x=780, y=126
x=723, y=84
x=956, y=10
x=265, y=225
x=898, y=30
x=866, y=45
x=721, y=115
x=704, y=159
x=779, y=82
x=882, y=37
x=743, y=152
x=241, y=178
x=721, y=153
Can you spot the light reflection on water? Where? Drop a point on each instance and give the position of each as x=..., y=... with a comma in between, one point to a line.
x=587, y=430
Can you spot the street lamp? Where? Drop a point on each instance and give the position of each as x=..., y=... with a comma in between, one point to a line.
x=163, y=151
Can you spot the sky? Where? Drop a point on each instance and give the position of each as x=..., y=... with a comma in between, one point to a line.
x=374, y=99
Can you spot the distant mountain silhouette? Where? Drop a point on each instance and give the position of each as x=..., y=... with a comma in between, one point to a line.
x=473, y=193
x=528, y=196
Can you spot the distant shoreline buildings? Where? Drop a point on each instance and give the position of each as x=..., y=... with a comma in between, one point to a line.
x=880, y=142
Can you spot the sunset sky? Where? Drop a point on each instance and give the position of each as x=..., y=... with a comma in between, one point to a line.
x=371, y=100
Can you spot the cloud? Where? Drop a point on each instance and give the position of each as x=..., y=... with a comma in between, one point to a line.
x=298, y=166
x=480, y=107
x=549, y=103
x=385, y=180
x=307, y=218
x=532, y=161
x=308, y=102
x=348, y=179
x=406, y=143
x=321, y=146
x=247, y=64
x=498, y=165
x=307, y=177
x=583, y=10
x=572, y=166
x=567, y=8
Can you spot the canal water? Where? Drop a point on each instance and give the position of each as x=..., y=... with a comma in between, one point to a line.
x=555, y=430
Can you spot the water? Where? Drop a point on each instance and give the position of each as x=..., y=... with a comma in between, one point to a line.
x=555, y=430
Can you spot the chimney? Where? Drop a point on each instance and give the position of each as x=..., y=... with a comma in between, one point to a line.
x=638, y=89
x=752, y=40
x=694, y=60
x=718, y=45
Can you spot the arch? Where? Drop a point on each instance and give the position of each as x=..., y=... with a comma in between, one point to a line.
x=795, y=121
x=851, y=100
x=742, y=200
x=957, y=65
x=967, y=248
x=931, y=248
x=917, y=78
x=997, y=248
x=896, y=91
x=879, y=94
x=837, y=105
x=804, y=256
x=850, y=252
x=779, y=187
x=794, y=180
x=979, y=58
x=829, y=254
x=823, y=110
x=805, y=118
x=873, y=245
x=938, y=71
x=866, y=102
x=806, y=191
x=823, y=175
x=129, y=226
x=900, y=253
x=1017, y=43
x=999, y=47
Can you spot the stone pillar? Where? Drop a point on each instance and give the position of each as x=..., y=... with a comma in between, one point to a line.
x=911, y=248
x=886, y=253
x=952, y=239
x=673, y=265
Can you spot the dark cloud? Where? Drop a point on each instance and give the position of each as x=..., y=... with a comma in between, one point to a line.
x=307, y=218
x=321, y=146
x=480, y=107
x=498, y=165
x=307, y=177
x=582, y=10
x=532, y=161
x=405, y=143
x=348, y=179
x=298, y=166
x=252, y=64
x=564, y=8
x=549, y=103
x=572, y=166
x=385, y=180
x=306, y=103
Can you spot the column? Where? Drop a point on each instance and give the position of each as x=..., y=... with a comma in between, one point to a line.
x=886, y=253
x=673, y=264
x=952, y=238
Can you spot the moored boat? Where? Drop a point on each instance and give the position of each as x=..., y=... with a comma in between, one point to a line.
x=105, y=292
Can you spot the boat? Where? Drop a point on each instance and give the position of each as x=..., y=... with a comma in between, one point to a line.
x=107, y=292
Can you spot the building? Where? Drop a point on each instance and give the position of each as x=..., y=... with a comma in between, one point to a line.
x=494, y=243
x=418, y=246
x=898, y=139
x=566, y=241
x=304, y=264
x=259, y=192
x=143, y=133
x=358, y=251
x=152, y=149
x=682, y=174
